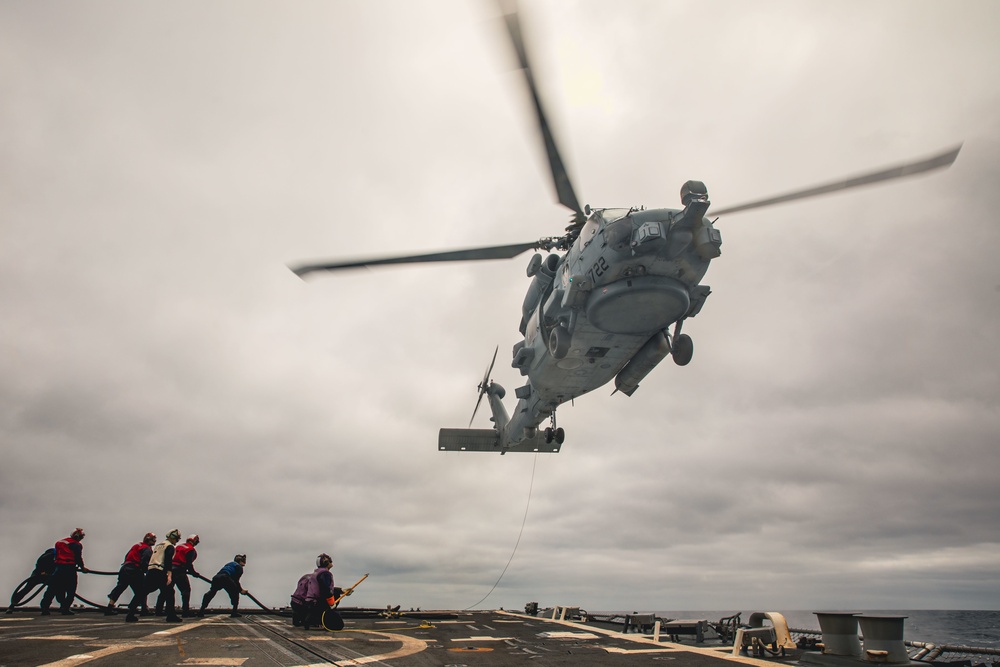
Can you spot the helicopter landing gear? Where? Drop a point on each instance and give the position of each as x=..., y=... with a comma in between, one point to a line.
x=556, y=434
x=682, y=350
x=681, y=346
x=559, y=340
x=552, y=433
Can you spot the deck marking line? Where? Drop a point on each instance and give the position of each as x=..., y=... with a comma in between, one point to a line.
x=186, y=627
x=121, y=646
x=221, y=662
x=568, y=635
x=81, y=658
x=631, y=651
x=410, y=646
x=481, y=639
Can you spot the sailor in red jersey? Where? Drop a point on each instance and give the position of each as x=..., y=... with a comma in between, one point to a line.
x=69, y=557
x=132, y=572
x=158, y=578
x=183, y=565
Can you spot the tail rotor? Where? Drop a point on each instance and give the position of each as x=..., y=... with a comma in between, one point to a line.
x=485, y=384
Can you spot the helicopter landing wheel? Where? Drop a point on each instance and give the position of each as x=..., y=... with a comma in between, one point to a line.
x=559, y=340
x=549, y=435
x=560, y=436
x=683, y=350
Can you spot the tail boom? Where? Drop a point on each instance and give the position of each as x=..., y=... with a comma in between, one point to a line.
x=488, y=440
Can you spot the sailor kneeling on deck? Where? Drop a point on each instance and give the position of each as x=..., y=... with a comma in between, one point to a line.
x=315, y=597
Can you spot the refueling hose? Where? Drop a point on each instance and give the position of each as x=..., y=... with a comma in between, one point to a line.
x=258, y=602
x=17, y=598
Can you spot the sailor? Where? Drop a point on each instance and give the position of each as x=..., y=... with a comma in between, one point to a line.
x=321, y=596
x=158, y=578
x=44, y=565
x=69, y=557
x=227, y=578
x=300, y=609
x=182, y=566
x=132, y=574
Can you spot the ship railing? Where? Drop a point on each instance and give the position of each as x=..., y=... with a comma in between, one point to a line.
x=919, y=651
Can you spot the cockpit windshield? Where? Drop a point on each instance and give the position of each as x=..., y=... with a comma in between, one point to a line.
x=618, y=228
x=612, y=214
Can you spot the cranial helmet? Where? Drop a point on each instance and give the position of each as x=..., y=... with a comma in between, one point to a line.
x=194, y=539
x=77, y=534
x=240, y=558
x=324, y=560
x=149, y=538
x=174, y=534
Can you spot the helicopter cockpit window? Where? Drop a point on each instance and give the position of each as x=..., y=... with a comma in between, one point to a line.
x=612, y=214
x=590, y=229
x=618, y=232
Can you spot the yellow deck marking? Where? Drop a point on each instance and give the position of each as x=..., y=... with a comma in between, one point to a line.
x=568, y=635
x=410, y=646
x=120, y=646
x=630, y=651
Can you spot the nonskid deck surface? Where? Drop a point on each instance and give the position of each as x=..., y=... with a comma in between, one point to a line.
x=483, y=638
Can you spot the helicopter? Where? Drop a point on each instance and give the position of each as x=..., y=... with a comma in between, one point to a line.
x=609, y=298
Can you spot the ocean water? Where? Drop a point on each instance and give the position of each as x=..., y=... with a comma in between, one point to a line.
x=959, y=628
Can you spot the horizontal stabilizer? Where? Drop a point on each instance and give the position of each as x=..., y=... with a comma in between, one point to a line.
x=487, y=440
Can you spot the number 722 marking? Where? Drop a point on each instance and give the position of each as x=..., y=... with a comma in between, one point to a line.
x=599, y=268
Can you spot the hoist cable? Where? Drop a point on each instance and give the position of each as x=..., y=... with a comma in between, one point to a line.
x=523, y=521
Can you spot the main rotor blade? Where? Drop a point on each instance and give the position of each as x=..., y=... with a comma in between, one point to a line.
x=469, y=254
x=909, y=169
x=560, y=177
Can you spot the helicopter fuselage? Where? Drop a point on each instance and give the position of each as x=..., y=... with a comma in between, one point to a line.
x=601, y=311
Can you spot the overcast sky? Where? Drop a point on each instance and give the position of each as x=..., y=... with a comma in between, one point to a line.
x=833, y=444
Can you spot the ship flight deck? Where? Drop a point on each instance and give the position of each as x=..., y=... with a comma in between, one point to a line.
x=485, y=638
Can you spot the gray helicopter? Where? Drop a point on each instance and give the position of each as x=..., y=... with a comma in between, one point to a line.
x=609, y=298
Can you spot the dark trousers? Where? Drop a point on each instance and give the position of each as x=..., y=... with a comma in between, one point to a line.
x=155, y=580
x=226, y=583
x=299, y=613
x=62, y=585
x=129, y=577
x=321, y=615
x=179, y=581
x=183, y=584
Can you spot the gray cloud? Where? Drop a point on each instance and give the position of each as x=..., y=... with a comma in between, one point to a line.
x=833, y=443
